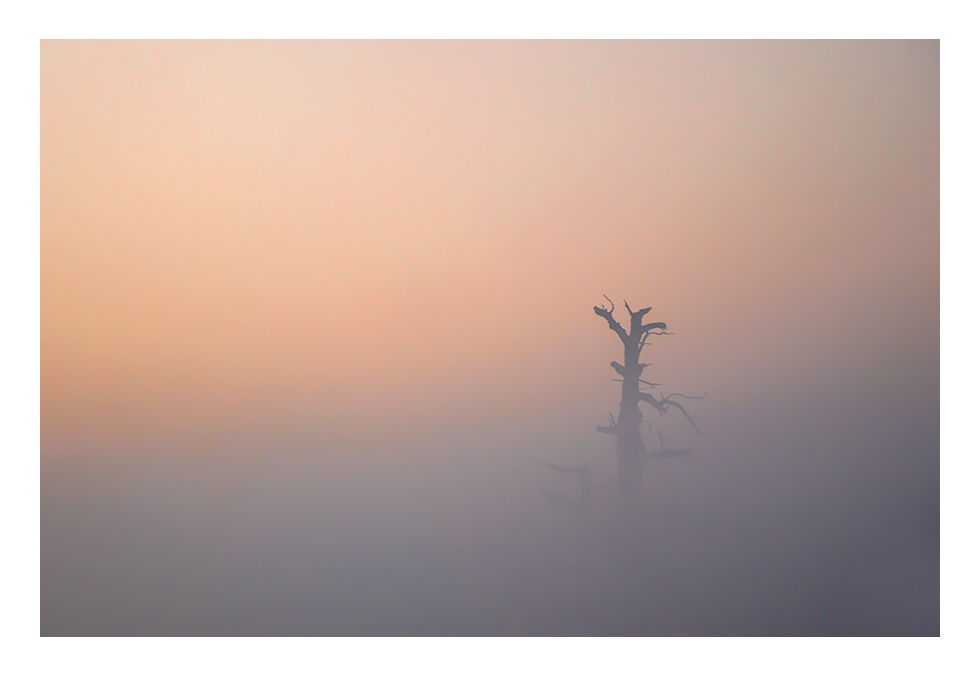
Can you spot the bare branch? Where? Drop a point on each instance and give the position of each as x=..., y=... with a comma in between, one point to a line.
x=684, y=412
x=647, y=398
x=619, y=368
x=613, y=324
x=611, y=428
x=636, y=320
x=664, y=403
x=681, y=395
x=654, y=326
x=659, y=434
x=648, y=333
x=613, y=309
x=650, y=383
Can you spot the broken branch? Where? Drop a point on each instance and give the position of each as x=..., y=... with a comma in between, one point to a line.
x=664, y=403
x=613, y=323
x=684, y=412
x=681, y=395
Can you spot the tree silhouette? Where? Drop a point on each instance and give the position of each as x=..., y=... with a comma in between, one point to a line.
x=631, y=455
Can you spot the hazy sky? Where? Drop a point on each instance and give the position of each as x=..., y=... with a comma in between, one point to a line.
x=354, y=246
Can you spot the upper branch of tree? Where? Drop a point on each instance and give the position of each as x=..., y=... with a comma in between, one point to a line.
x=644, y=331
x=646, y=335
x=613, y=323
x=637, y=316
x=636, y=320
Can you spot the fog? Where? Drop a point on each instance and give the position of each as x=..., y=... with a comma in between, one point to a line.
x=816, y=514
x=317, y=317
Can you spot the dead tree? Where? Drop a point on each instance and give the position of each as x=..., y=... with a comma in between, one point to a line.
x=631, y=455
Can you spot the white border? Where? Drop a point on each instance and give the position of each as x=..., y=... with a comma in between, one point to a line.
x=20, y=181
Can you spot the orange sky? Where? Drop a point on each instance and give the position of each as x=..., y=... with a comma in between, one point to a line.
x=311, y=232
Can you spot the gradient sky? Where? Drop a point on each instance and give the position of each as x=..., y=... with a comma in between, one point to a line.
x=314, y=243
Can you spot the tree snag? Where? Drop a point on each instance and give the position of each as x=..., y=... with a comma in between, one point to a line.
x=631, y=455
